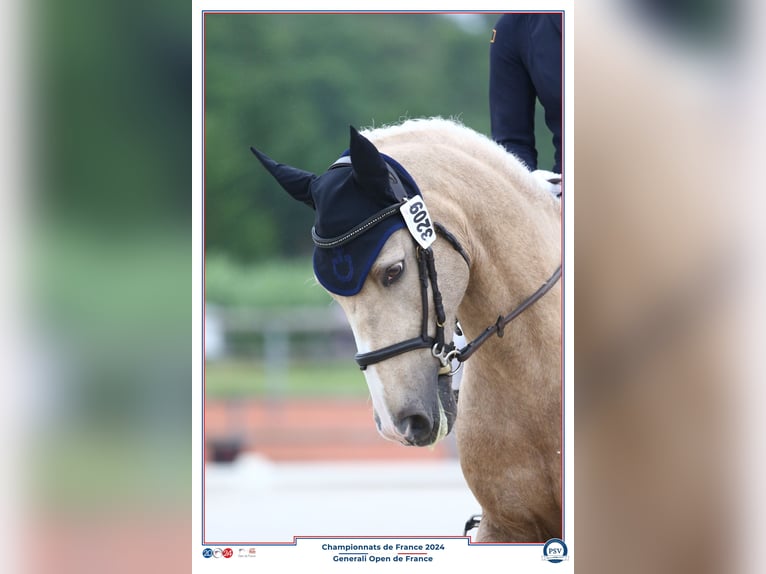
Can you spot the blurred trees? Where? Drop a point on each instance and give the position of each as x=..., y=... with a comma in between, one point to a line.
x=290, y=84
x=109, y=117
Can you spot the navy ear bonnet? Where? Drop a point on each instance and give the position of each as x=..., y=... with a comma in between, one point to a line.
x=356, y=202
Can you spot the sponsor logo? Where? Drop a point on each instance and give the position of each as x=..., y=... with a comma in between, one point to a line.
x=246, y=553
x=555, y=550
x=217, y=552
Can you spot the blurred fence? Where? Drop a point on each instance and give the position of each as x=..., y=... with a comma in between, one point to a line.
x=281, y=421
x=276, y=336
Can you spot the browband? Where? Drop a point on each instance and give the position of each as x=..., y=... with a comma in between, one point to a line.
x=396, y=187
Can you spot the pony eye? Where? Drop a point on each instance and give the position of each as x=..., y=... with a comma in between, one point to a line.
x=393, y=273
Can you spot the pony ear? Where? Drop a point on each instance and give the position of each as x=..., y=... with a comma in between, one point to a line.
x=369, y=167
x=294, y=181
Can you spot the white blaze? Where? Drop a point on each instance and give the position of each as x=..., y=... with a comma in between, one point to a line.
x=378, y=401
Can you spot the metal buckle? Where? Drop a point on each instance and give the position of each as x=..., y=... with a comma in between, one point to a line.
x=445, y=359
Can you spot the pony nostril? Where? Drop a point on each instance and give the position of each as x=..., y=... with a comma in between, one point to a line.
x=415, y=428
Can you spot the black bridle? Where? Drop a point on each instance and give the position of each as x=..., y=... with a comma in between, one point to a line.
x=426, y=273
x=444, y=352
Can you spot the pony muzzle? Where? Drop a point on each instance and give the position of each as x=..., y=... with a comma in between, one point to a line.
x=417, y=426
x=416, y=429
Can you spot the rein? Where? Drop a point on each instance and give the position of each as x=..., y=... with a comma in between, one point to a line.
x=465, y=353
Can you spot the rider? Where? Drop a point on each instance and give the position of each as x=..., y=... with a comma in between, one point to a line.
x=525, y=64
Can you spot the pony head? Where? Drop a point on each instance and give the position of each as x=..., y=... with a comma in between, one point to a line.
x=367, y=260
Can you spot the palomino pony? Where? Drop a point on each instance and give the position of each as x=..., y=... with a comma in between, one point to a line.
x=401, y=271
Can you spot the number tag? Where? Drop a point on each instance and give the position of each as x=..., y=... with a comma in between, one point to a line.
x=418, y=221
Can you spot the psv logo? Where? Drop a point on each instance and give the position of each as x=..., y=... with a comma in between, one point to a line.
x=555, y=551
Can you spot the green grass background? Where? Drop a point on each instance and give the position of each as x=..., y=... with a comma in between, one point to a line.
x=232, y=378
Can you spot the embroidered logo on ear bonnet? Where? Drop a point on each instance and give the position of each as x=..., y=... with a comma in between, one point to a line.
x=356, y=203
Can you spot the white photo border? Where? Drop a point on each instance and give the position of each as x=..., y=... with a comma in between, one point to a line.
x=307, y=550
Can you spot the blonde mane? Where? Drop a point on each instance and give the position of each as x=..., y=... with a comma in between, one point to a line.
x=439, y=132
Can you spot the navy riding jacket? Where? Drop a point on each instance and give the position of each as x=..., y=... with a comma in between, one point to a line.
x=525, y=63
